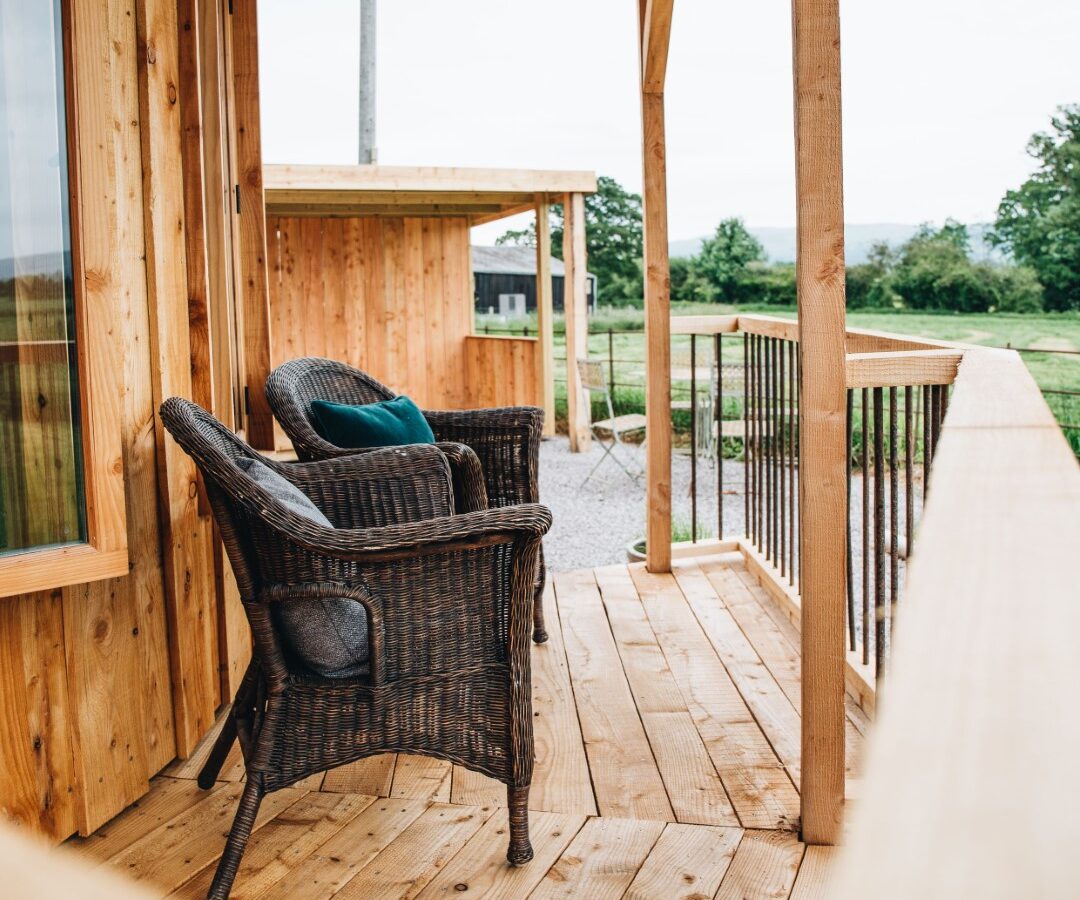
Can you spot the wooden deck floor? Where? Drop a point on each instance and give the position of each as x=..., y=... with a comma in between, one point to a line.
x=667, y=742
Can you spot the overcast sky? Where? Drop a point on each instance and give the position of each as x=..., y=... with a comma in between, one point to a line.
x=940, y=96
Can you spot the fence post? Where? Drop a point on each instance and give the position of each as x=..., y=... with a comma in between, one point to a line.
x=822, y=501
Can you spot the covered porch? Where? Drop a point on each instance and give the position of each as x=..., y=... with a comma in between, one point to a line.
x=667, y=764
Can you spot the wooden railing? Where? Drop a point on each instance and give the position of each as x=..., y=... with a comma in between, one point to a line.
x=976, y=734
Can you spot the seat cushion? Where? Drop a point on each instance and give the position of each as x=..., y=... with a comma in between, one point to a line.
x=388, y=423
x=329, y=635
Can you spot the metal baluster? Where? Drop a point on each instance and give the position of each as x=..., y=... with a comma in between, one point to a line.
x=792, y=374
x=783, y=463
x=894, y=508
x=879, y=534
x=774, y=418
x=746, y=434
x=850, y=573
x=766, y=421
x=927, y=442
x=719, y=437
x=909, y=470
x=866, y=419
x=759, y=460
x=693, y=438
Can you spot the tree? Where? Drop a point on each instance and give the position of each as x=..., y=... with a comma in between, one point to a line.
x=1039, y=222
x=613, y=238
x=724, y=259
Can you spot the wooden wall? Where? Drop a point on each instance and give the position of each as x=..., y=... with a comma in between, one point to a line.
x=389, y=295
x=501, y=370
x=103, y=684
x=393, y=296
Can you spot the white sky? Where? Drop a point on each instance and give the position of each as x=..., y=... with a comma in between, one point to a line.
x=940, y=96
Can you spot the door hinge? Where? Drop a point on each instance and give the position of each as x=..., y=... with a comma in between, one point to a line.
x=237, y=190
x=247, y=400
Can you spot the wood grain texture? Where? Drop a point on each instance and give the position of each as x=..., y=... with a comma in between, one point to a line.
x=575, y=269
x=687, y=863
x=242, y=49
x=765, y=865
x=545, y=315
x=657, y=335
x=187, y=555
x=993, y=562
x=897, y=368
x=624, y=771
x=822, y=436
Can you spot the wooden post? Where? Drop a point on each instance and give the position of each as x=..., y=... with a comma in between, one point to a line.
x=545, y=330
x=655, y=25
x=575, y=310
x=822, y=443
x=251, y=210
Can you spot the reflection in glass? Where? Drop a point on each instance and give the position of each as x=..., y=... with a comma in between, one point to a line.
x=41, y=490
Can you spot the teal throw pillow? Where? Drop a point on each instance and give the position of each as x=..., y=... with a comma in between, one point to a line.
x=385, y=424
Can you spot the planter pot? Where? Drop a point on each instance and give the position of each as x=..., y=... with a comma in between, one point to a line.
x=635, y=551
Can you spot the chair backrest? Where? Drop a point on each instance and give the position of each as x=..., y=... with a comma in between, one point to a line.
x=293, y=385
x=591, y=372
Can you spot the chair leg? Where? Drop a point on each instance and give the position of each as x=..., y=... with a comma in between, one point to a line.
x=540, y=634
x=520, y=850
x=238, y=838
x=210, y=770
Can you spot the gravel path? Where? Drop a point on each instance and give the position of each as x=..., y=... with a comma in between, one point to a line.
x=594, y=522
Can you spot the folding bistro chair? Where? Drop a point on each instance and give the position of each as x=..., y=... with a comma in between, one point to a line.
x=591, y=372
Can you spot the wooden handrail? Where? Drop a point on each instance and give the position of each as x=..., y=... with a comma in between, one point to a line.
x=973, y=755
x=900, y=368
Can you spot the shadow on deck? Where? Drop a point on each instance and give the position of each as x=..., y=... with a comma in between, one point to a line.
x=667, y=765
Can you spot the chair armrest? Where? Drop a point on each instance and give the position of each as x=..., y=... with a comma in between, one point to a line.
x=461, y=425
x=391, y=542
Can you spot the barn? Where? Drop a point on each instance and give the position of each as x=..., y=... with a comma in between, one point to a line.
x=504, y=281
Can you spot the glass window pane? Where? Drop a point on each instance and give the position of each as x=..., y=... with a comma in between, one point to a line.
x=41, y=490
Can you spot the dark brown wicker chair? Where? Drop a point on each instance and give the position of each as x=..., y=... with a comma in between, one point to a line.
x=448, y=600
x=507, y=440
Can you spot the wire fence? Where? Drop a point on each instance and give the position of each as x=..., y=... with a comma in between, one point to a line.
x=626, y=376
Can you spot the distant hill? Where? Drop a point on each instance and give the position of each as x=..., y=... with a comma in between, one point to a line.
x=779, y=243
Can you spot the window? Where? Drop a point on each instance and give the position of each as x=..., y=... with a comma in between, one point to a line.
x=42, y=497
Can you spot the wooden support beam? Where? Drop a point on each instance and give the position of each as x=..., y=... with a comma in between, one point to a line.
x=545, y=315
x=576, y=314
x=186, y=541
x=902, y=367
x=656, y=36
x=253, y=279
x=657, y=338
x=823, y=440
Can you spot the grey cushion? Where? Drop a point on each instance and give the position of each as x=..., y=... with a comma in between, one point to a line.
x=331, y=635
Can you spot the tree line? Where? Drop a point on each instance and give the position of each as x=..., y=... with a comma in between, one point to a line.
x=1037, y=230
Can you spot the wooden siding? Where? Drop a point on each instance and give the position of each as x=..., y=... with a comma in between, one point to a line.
x=501, y=371
x=392, y=296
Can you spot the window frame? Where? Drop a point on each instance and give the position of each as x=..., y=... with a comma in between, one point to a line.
x=97, y=282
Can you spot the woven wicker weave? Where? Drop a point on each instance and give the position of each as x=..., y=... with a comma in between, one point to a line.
x=506, y=440
x=448, y=597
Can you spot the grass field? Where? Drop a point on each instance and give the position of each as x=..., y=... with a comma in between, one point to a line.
x=624, y=347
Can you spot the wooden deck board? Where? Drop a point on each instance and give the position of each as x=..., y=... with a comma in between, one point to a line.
x=660, y=703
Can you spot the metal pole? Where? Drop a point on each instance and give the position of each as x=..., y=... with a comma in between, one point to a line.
x=368, y=154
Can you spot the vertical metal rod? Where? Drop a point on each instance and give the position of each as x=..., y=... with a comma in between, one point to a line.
x=753, y=438
x=693, y=438
x=866, y=526
x=746, y=432
x=926, y=448
x=798, y=443
x=879, y=534
x=775, y=418
x=939, y=413
x=719, y=437
x=792, y=374
x=894, y=508
x=759, y=458
x=909, y=470
x=850, y=572
x=782, y=456
x=766, y=421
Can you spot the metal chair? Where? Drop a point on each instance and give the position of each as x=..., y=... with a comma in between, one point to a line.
x=591, y=372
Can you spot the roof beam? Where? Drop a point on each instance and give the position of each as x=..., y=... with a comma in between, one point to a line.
x=655, y=26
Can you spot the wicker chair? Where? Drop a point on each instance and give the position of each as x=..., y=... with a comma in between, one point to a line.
x=448, y=600
x=506, y=440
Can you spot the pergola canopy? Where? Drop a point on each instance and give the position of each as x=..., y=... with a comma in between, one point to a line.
x=481, y=195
